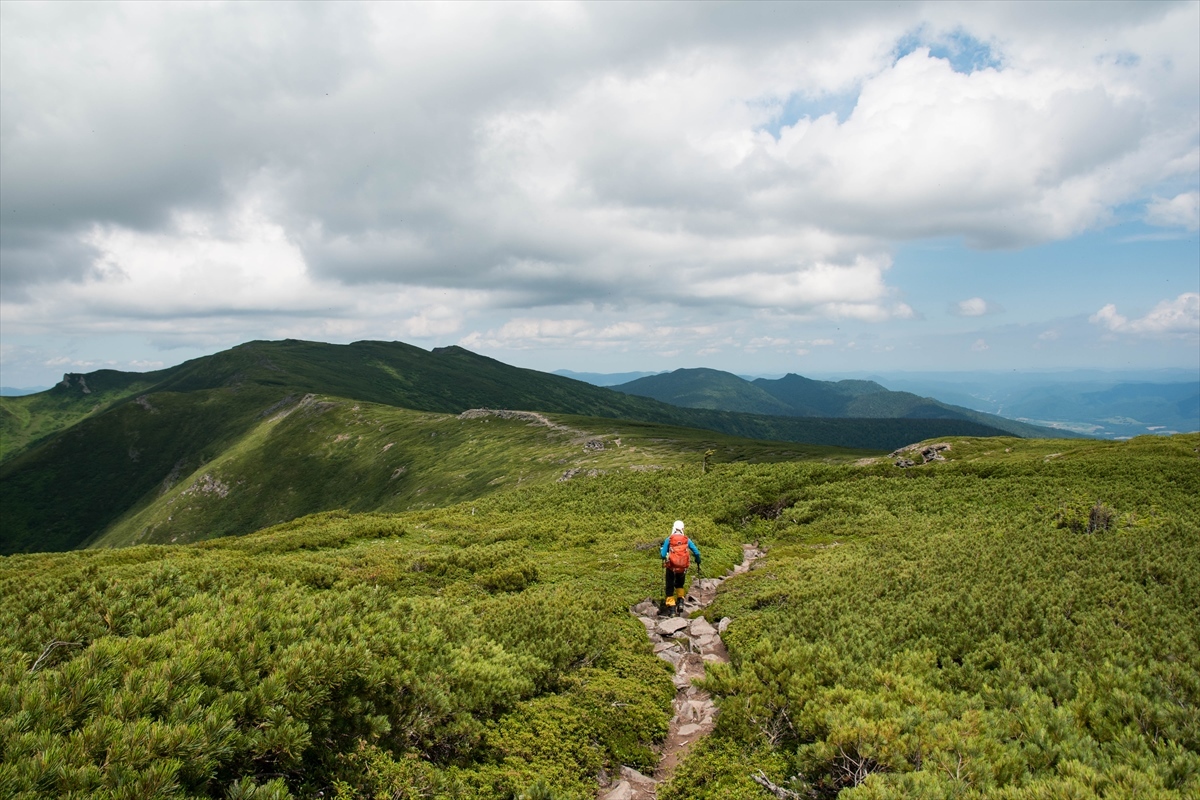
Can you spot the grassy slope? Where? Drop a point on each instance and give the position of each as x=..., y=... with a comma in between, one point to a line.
x=28, y=419
x=116, y=461
x=325, y=453
x=961, y=639
x=69, y=489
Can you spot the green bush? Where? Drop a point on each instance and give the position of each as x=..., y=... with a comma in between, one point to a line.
x=912, y=633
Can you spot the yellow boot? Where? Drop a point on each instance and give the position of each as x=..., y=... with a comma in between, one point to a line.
x=669, y=606
x=680, y=593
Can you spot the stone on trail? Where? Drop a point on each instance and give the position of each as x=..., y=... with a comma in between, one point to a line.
x=701, y=627
x=646, y=608
x=669, y=627
x=705, y=642
x=622, y=791
x=633, y=776
x=672, y=656
x=688, y=730
x=723, y=625
x=649, y=623
x=696, y=710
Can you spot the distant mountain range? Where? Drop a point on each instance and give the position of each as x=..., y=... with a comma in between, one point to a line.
x=797, y=396
x=12, y=391
x=1108, y=407
x=101, y=457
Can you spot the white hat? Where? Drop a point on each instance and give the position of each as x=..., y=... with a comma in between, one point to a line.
x=678, y=526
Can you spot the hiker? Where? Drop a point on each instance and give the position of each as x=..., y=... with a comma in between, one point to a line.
x=674, y=553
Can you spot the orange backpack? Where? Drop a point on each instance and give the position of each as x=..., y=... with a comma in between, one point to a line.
x=678, y=557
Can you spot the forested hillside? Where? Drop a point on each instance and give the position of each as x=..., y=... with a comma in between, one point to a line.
x=274, y=430
x=796, y=396
x=1016, y=621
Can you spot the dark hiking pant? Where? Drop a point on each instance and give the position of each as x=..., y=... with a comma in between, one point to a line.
x=675, y=581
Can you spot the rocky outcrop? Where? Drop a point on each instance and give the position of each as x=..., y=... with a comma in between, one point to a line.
x=74, y=378
x=928, y=453
x=206, y=484
x=500, y=413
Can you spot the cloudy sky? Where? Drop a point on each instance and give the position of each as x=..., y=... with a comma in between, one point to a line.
x=758, y=187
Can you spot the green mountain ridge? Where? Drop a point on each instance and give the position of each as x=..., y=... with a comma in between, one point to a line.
x=103, y=458
x=796, y=396
x=229, y=443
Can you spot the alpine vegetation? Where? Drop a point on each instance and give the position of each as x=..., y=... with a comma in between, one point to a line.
x=954, y=629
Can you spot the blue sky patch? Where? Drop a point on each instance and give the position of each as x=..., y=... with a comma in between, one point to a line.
x=965, y=53
x=798, y=106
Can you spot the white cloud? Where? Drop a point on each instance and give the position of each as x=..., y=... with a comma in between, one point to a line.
x=219, y=172
x=67, y=361
x=1180, y=211
x=980, y=345
x=831, y=289
x=1180, y=316
x=974, y=307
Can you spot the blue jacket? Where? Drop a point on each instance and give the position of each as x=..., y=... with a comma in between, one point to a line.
x=666, y=545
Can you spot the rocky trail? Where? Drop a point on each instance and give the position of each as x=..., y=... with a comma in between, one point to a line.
x=688, y=644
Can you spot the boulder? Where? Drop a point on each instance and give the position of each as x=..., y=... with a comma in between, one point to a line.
x=696, y=710
x=646, y=608
x=636, y=778
x=701, y=627
x=671, y=626
x=622, y=791
x=648, y=622
x=688, y=730
x=905, y=463
x=671, y=655
x=723, y=625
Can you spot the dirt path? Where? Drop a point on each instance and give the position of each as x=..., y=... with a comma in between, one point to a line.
x=688, y=645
